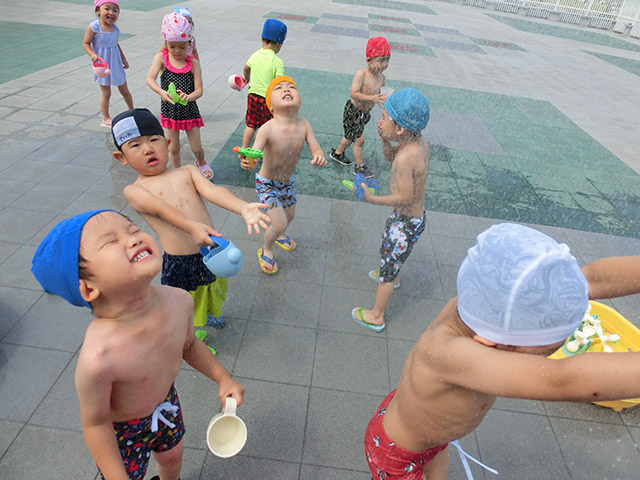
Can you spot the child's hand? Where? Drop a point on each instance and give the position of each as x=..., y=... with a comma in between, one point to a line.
x=367, y=193
x=201, y=232
x=125, y=64
x=379, y=99
x=166, y=96
x=182, y=95
x=246, y=163
x=94, y=57
x=230, y=388
x=318, y=160
x=254, y=217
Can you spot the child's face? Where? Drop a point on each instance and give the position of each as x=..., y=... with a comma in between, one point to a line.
x=285, y=94
x=387, y=128
x=378, y=65
x=178, y=50
x=117, y=252
x=108, y=13
x=148, y=155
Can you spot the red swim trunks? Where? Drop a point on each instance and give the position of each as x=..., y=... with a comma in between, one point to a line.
x=388, y=461
x=257, y=112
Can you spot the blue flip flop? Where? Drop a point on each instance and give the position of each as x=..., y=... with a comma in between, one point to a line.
x=356, y=314
x=264, y=261
x=286, y=243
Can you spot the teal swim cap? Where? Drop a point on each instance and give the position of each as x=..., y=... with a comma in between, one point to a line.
x=409, y=108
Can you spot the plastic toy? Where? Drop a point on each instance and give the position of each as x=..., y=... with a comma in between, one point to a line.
x=174, y=94
x=202, y=335
x=356, y=185
x=101, y=68
x=237, y=82
x=224, y=259
x=603, y=330
x=250, y=153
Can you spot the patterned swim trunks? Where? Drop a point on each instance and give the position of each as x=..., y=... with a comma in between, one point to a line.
x=158, y=432
x=353, y=121
x=276, y=194
x=257, y=112
x=398, y=239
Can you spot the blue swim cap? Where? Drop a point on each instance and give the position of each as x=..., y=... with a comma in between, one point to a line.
x=518, y=286
x=274, y=30
x=409, y=108
x=184, y=11
x=55, y=263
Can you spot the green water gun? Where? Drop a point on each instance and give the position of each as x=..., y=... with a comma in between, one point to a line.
x=202, y=335
x=174, y=94
x=250, y=153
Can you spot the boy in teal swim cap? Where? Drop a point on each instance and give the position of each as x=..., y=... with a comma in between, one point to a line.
x=405, y=115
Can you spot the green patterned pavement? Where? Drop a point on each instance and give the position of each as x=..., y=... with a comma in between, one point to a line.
x=546, y=169
x=140, y=5
x=392, y=5
x=628, y=64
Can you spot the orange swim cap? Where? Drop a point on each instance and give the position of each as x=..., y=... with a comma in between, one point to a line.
x=274, y=82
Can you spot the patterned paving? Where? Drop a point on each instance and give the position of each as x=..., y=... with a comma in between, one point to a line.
x=489, y=157
x=628, y=64
x=140, y=5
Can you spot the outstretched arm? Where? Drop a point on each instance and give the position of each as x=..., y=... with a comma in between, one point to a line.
x=144, y=202
x=317, y=154
x=613, y=277
x=252, y=213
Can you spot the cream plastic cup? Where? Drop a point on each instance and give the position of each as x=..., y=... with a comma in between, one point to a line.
x=227, y=433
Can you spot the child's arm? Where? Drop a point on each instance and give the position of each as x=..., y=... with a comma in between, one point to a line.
x=197, y=354
x=89, y=35
x=156, y=66
x=125, y=64
x=197, y=84
x=195, y=53
x=402, y=183
x=356, y=90
x=94, y=385
x=144, y=202
x=613, y=277
x=252, y=213
x=246, y=73
x=464, y=362
x=316, y=150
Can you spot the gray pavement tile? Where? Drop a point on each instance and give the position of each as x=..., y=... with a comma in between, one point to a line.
x=449, y=225
x=9, y=432
x=37, y=170
x=241, y=293
x=93, y=199
x=590, y=243
x=506, y=440
x=49, y=446
x=7, y=249
x=275, y=415
x=594, y=450
x=352, y=363
x=226, y=341
x=27, y=375
x=357, y=214
x=519, y=405
x=51, y=324
x=278, y=301
x=312, y=472
x=408, y=317
x=629, y=308
x=242, y=466
x=63, y=392
x=304, y=265
x=420, y=279
x=14, y=302
x=12, y=190
x=309, y=233
x=398, y=351
x=193, y=463
x=81, y=176
x=276, y=353
x=47, y=198
x=448, y=277
x=451, y=250
x=336, y=305
x=15, y=271
x=582, y=411
x=340, y=417
x=626, y=245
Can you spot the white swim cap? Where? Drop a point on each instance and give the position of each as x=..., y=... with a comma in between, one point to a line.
x=518, y=286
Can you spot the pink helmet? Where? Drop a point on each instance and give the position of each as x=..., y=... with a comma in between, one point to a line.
x=176, y=28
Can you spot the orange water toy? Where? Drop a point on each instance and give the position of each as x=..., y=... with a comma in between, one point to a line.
x=101, y=68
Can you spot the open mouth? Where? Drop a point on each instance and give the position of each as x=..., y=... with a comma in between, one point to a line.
x=287, y=96
x=152, y=162
x=141, y=256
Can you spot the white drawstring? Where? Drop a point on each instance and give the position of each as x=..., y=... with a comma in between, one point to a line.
x=464, y=455
x=157, y=415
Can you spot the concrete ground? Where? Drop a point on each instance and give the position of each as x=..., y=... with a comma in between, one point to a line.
x=531, y=121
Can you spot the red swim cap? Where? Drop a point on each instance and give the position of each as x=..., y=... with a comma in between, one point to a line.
x=378, y=47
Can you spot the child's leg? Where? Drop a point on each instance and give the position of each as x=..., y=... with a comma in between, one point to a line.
x=169, y=462
x=174, y=146
x=383, y=295
x=105, y=91
x=344, y=144
x=196, y=145
x=439, y=466
x=126, y=95
x=357, y=150
x=276, y=229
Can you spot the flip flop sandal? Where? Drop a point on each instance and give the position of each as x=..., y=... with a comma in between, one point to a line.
x=356, y=314
x=375, y=276
x=205, y=169
x=286, y=243
x=264, y=261
x=105, y=124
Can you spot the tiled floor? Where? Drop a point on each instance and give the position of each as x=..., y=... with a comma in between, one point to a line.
x=531, y=122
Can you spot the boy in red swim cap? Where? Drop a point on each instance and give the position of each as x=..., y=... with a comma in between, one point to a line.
x=365, y=94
